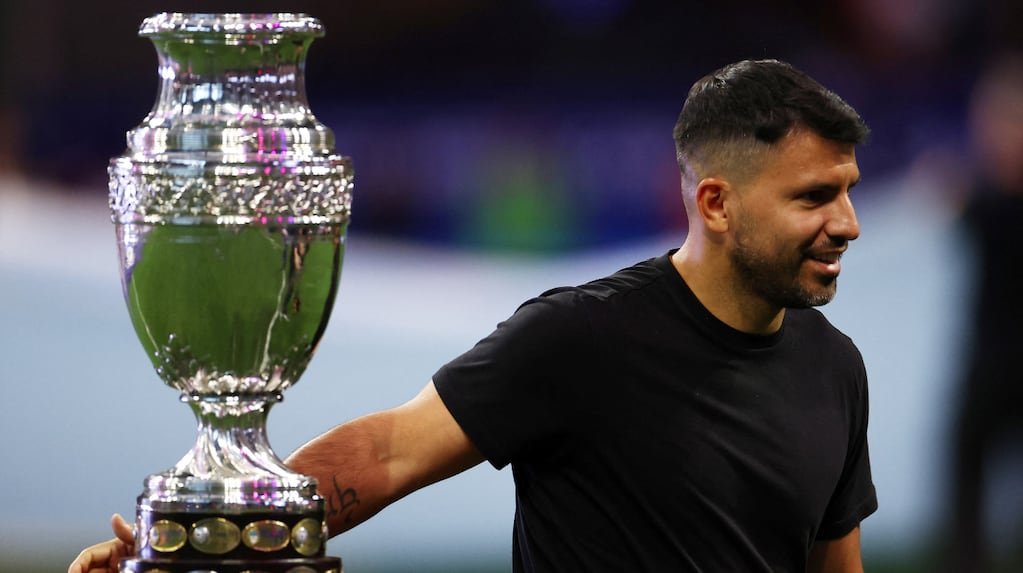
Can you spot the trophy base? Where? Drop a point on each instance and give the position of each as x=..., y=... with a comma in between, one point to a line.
x=253, y=541
x=304, y=565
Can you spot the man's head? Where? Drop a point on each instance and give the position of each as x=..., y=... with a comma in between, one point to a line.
x=768, y=157
x=731, y=117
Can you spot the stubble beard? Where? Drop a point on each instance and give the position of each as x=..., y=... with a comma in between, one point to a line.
x=777, y=279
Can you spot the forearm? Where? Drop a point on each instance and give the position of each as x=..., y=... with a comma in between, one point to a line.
x=350, y=462
x=366, y=464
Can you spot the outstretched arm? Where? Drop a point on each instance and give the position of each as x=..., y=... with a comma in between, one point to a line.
x=364, y=465
x=361, y=466
x=840, y=555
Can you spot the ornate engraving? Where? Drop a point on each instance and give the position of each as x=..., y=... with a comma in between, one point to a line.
x=312, y=191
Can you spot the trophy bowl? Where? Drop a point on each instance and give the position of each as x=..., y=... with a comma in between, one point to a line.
x=231, y=207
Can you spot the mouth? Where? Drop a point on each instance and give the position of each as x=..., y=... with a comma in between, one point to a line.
x=826, y=262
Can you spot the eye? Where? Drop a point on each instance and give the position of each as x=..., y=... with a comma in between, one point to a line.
x=819, y=195
x=812, y=196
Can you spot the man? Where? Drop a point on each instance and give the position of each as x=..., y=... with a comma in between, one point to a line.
x=689, y=413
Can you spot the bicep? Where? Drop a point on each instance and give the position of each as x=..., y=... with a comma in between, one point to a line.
x=428, y=445
x=840, y=555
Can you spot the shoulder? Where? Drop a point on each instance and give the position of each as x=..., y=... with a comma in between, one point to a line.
x=573, y=315
x=810, y=328
x=623, y=286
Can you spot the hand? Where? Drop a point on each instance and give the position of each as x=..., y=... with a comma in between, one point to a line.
x=105, y=557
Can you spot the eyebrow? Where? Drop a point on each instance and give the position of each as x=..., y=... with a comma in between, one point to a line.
x=828, y=186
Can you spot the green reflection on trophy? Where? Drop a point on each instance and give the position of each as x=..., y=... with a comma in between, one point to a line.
x=231, y=207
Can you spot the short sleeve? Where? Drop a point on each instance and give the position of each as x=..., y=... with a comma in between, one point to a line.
x=855, y=497
x=509, y=393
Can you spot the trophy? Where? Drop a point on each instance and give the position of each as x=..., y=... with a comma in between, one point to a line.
x=231, y=207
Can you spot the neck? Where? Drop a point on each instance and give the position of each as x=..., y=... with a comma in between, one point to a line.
x=715, y=285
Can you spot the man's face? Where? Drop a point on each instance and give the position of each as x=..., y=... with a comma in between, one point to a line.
x=794, y=220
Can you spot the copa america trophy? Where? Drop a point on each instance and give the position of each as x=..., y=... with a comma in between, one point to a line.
x=231, y=207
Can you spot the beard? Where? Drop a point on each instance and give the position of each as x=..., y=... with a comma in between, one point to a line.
x=777, y=277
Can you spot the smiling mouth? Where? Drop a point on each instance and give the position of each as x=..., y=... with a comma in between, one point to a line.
x=828, y=261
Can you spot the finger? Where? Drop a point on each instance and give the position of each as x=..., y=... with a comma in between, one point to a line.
x=96, y=555
x=80, y=564
x=122, y=530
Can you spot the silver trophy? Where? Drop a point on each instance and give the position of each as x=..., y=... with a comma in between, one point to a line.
x=231, y=206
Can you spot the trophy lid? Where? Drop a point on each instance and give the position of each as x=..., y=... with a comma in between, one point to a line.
x=231, y=132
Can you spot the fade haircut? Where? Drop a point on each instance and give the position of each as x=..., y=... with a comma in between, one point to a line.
x=733, y=115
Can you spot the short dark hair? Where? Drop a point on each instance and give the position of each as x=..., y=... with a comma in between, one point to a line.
x=752, y=103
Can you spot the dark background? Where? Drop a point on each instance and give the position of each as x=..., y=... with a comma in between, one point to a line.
x=534, y=125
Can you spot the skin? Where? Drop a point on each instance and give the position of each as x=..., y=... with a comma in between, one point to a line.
x=104, y=557
x=753, y=249
x=795, y=210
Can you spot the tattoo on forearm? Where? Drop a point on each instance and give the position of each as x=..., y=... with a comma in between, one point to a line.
x=342, y=502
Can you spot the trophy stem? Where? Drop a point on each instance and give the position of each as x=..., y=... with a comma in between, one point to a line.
x=232, y=439
x=231, y=465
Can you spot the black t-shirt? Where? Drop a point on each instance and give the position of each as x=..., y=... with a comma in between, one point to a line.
x=646, y=435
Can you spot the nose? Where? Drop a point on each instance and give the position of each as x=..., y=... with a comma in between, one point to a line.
x=843, y=224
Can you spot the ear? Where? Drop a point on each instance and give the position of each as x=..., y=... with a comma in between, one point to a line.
x=710, y=201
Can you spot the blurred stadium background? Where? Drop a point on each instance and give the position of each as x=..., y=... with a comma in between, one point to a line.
x=500, y=148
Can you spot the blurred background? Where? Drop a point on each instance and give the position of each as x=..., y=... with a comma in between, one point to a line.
x=502, y=148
